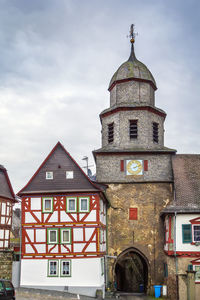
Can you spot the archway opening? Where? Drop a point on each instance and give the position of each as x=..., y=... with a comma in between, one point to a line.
x=131, y=273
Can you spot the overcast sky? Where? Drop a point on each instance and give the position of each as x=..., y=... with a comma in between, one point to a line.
x=57, y=58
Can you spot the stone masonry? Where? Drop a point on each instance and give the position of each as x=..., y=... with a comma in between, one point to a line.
x=6, y=264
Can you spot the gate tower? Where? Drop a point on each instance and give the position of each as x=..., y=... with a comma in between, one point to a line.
x=136, y=166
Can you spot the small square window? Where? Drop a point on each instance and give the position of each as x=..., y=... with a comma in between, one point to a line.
x=69, y=174
x=52, y=236
x=47, y=204
x=65, y=269
x=71, y=204
x=53, y=268
x=49, y=175
x=84, y=204
x=65, y=235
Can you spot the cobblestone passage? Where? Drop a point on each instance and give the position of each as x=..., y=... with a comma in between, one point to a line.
x=52, y=295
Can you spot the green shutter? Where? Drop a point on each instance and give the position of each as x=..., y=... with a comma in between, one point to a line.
x=187, y=233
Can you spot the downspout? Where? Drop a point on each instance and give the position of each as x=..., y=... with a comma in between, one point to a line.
x=20, y=245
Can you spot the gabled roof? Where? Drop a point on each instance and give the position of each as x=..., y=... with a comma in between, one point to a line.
x=186, y=170
x=6, y=190
x=59, y=161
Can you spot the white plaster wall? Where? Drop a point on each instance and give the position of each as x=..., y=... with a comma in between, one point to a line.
x=53, y=217
x=40, y=235
x=78, y=234
x=29, y=218
x=184, y=219
x=1, y=233
x=92, y=216
x=85, y=272
x=88, y=233
x=102, y=212
x=3, y=208
x=35, y=203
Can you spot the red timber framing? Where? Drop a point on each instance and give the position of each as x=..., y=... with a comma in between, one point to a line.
x=62, y=218
x=88, y=225
x=5, y=223
x=7, y=200
x=184, y=253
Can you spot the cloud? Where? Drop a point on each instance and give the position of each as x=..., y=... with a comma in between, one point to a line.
x=57, y=58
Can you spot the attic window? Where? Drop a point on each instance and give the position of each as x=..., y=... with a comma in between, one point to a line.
x=49, y=175
x=69, y=174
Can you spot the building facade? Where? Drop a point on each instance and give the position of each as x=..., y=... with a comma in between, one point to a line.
x=182, y=227
x=7, y=200
x=63, y=228
x=137, y=168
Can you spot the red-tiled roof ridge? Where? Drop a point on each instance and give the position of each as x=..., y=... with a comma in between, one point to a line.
x=46, y=159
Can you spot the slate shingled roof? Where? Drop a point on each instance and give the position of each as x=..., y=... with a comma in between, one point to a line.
x=59, y=161
x=6, y=190
x=186, y=169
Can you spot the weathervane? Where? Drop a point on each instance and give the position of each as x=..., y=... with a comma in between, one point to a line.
x=132, y=34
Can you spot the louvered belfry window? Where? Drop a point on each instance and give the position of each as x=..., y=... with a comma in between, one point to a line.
x=155, y=132
x=133, y=129
x=110, y=132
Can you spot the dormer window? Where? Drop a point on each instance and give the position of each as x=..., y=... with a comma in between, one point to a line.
x=110, y=132
x=49, y=175
x=69, y=174
x=155, y=132
x=133, y=129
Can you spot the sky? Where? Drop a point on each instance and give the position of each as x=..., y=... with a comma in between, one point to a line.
x=57, y=58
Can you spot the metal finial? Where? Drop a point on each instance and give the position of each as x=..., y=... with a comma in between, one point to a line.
x=132, y=34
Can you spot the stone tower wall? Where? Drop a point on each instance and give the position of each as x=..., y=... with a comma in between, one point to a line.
x=108, y=168
x=146, y=233
x=145, y=130
x=132, y=92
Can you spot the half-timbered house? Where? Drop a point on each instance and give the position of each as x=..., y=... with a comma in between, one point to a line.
x=7, y=200
x=63, y=227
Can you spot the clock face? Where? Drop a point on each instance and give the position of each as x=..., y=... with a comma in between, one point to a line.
x=134, y=167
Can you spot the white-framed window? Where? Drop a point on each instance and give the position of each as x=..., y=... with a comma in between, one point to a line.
x=65, y=235
x=196, y=233
x=197, y=275
x=52, y=235
x=84, y=204
x=69, y=174
x=65, y=268
x=53, y=268
x=47, y=204
x=49, y=175
x=71, y=205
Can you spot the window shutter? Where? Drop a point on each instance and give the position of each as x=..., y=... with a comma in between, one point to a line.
x=122, y=165
x=145, y=165
x=133, y=214
x=187, y=233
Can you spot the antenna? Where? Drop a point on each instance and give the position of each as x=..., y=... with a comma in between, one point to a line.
x=88, y=171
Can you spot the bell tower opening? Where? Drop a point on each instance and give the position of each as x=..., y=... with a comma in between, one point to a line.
x=131, y=272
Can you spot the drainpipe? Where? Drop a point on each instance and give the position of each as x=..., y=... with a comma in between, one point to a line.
x=20, y=245
x=176, y=259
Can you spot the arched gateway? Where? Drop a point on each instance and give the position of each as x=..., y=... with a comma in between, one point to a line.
x=131, y=271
